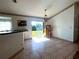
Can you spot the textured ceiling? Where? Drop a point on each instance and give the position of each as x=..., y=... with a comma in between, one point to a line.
x=34, y=7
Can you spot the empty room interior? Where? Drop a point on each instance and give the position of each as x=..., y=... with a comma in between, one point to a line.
x=39, y=29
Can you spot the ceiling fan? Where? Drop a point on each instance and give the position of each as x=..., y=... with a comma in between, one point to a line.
x=45, y=15
x=15, y=1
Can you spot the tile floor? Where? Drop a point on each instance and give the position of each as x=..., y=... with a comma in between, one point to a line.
x=50, y=49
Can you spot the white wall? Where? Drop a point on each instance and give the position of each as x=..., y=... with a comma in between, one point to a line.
x=63, y=24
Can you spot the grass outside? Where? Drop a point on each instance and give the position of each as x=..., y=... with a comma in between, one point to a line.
x=39, y=33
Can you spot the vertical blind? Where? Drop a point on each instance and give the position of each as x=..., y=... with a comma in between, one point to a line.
x=5, y=23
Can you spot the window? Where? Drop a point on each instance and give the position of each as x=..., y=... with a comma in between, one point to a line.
x=5, y=23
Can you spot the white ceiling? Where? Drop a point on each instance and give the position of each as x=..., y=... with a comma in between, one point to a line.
x=34, y=7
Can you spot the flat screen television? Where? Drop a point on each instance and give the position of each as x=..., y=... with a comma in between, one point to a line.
x=22, y=23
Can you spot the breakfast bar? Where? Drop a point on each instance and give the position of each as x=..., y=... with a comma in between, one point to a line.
x=10, y=43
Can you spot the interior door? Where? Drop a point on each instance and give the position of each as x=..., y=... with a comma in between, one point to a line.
x=48, y=31
x=76, y=29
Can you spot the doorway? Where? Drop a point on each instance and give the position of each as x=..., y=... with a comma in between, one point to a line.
x=37, y=29
x=38, y=34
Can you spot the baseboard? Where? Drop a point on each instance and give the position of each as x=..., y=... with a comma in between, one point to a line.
x=16, y=53
x=62, y=39
x=27, y=39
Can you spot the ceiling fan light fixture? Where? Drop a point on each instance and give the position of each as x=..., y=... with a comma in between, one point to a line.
x=14, y=1
x=45, y=10
x=45, y=15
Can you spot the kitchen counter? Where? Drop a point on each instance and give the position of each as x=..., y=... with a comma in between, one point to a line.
x=11, y=31
x=10, y=43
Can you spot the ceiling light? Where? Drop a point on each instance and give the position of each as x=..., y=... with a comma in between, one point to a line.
x=15, y=1
x=45, y=15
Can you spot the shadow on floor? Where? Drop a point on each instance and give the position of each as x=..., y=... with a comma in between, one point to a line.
x=76, y=56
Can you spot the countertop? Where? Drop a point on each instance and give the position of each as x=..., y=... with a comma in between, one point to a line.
x=11, y=31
